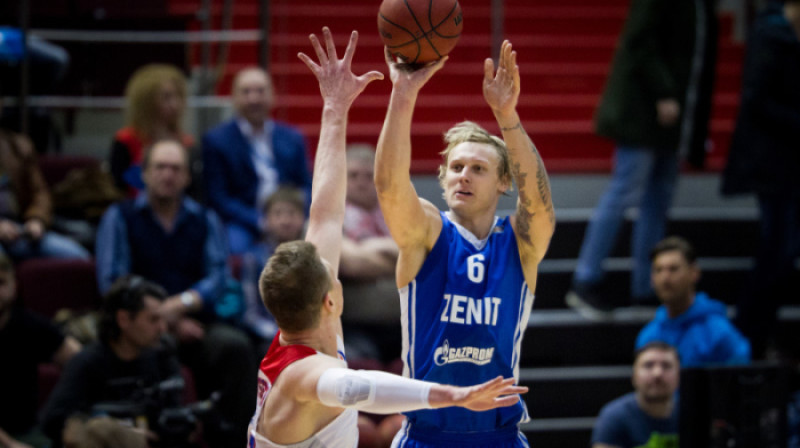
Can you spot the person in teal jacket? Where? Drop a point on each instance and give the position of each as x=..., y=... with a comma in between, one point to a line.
x=691, y=321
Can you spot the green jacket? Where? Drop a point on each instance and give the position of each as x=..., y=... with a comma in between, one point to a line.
x=654, y=61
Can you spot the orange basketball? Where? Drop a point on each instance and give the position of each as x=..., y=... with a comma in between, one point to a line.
x=420, y=31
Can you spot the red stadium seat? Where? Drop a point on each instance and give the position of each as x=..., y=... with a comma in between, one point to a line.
x=47, y=285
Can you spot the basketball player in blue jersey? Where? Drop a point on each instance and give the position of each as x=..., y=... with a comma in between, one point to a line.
x=307, y=397
x=466, y=277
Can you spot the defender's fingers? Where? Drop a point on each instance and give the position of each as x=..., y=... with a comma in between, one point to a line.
x=506, y=401
x=318, y=49
x=371, y=76
x=309, y=62
x=329, y=43
x=351, y=48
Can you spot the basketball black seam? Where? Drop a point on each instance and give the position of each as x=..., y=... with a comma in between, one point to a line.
x=446, y=18
x=424, y=34
x=419, y=49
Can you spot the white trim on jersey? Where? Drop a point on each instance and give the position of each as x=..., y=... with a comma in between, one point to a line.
x=526, y=305
x=408, y=318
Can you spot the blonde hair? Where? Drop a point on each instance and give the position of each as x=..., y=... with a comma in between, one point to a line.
x=468, y=131
x=141, y=96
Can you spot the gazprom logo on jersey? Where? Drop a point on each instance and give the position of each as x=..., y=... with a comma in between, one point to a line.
x=475, y=355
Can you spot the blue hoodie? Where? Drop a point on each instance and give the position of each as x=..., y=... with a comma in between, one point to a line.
x=702, y=334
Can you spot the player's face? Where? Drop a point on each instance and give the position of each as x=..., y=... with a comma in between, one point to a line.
x=252, y=96
x=656, y=374
x=8, y=290
x=166, y=174
x=144, y=329
x=285, y=222
x=360, y=184
x=471, y=181
x=673, y=277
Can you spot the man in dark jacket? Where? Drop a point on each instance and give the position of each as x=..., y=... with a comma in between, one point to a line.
x=247, y=158
x=765, y=159
x=655, y=107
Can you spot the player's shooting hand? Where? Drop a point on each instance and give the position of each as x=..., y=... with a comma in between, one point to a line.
x=501, y=88
x=492, y=394
x=410, y=78
x=337, y=83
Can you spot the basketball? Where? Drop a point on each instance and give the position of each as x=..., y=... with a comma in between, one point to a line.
x=420, y=31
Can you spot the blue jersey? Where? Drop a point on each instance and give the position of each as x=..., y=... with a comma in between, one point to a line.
x=463, y=319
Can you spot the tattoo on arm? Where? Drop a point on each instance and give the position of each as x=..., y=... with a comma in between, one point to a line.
x=524, y=214
x=517, y=126
x=543, y=184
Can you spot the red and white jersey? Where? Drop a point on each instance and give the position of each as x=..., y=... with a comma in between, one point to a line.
x=342, y=432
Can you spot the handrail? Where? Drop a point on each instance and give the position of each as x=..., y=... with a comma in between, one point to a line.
x=252, y=35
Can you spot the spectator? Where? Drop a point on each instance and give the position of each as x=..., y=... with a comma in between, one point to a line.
x=155, y=99
x=248, y=157
x=26, y=208
x=171, y=240
x=367, y=265
x=764, y=159
x=655, y=107
x=649, y=415
x=368, y=251
x=283, y=221
x=691, y=321
x=126, y=362
x=41, y=342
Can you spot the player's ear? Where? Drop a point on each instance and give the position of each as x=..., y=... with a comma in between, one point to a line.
x=328, y=302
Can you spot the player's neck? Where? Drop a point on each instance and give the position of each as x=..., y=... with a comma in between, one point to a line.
x=321, y=338
x=478, y=225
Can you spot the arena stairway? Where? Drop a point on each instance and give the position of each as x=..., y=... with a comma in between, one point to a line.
x=565, y=48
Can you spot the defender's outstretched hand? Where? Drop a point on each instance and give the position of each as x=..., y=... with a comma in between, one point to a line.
x=410, y=77
x=495, y=393
x=337, y=83
x=501, y=89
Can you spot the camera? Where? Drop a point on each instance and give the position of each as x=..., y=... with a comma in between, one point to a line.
x=156, y=409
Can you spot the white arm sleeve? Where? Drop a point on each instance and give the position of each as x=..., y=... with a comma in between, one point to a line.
x=372, y=391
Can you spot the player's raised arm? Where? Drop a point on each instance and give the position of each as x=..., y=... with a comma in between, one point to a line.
x=534, y=221
x=339, y=88
x=398, y=199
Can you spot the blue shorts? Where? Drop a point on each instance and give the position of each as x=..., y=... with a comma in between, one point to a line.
x=409, y=437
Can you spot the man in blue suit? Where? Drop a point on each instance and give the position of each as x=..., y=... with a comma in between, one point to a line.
x=245, y=159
